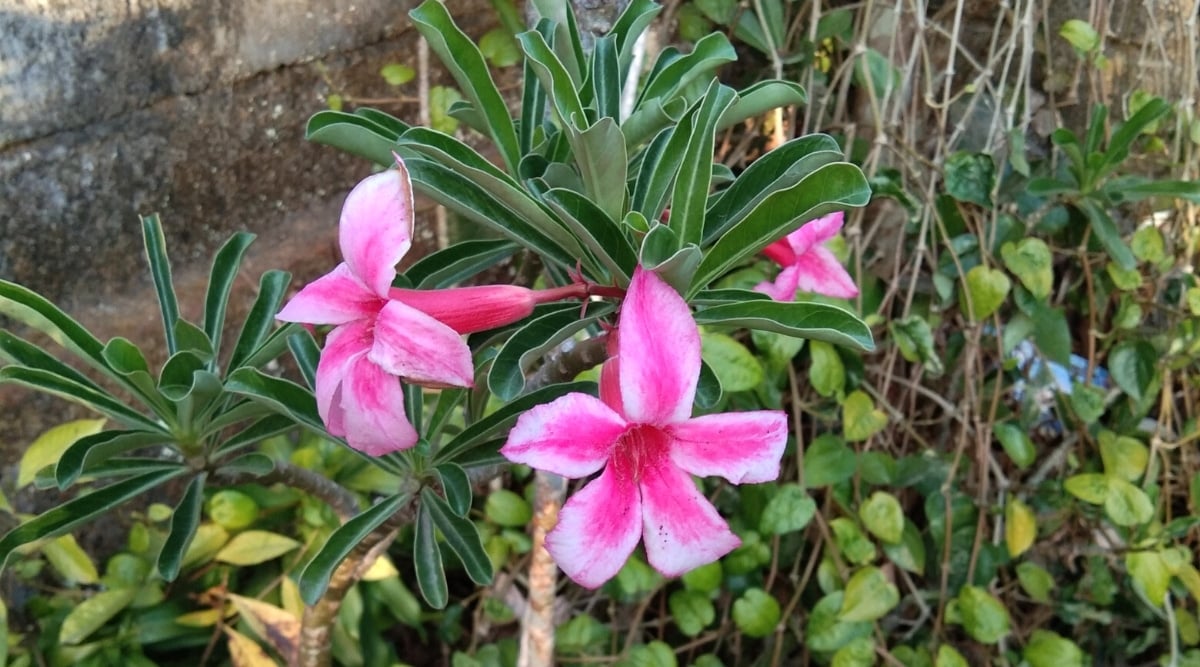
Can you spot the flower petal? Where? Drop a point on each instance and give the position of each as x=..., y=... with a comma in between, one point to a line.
x=820, y=272
x=376, y=227
x=418, y=348
x=780, y=251
x=784, y=287
x=571, y=436
x=373, y=409
x=681, y=528
x=659, y=349
x=343, y=346
x=335, y=298
x=742, y=447
x=597, y=529
x=815, y=232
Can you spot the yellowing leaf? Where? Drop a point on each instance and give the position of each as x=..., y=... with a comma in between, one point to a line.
x=1020, y=527
x=255, y=546
x=278, y=627
x=244, y=652
x=382, y=568
x=1123, y=456
x=209, y=539
x=883, y=517
x=869, y=595
x=289, y=594
x=1191, y=579
x=860, y=418
x=72, y=562
x=50, y=445
x=1150, y=573
x=199, y=619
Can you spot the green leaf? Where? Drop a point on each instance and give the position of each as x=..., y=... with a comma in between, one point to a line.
x=1123, y=456
x=605, y=80
x=1106, y=233
x=1049, y=649
x=914, y=338
x=654, y=654
x=499, y=47
x=23, y=353
x=183, y=527
x=858, y=652
x=1124, y=136
x=457, y=262
x=282, y=396
x=1081, y=35
x=692, y=611
x=30, y=308
x=91, y=450
x=760, y=98
x=255, y=546
x=826, y=189
x=70, y=561
x=1126, y=504
x=970, y=177
x=1035, y=581
x=1148, y=245
x=827, y=373
x=909, y=552
x=431, y=576
x=826, y=632
x=461, y=535
x=1020, y=527
x=828, y=461
x=466, y=64
x=93, y=613
x=1051, y=333
x=851, y=542
x=883, y=517
x=707, y=55
x=160, y=270
x=734, y=365
x=600, y=154
x=1133, y=367
x=555, y=79
x=986, y=291
x=457, y=487
x=1030, y=261
x=496, y=424
x=948, y=656
x=315, y=578
x=598, y=233
x=873, y=69
x=441, y=104
x=860, y=418
x=1016, y=443
x=100, y=401
x=354, y=134
x=789, y=509
x=1089, y=487
x=815, y=321
x=692, y=183
x=261, y=319
x=224, y=271
x=1087, y=401
x=81, y=509
x=48, y=448
x=398, y=74
x=983, y=616
x=868, y=596
x=530, y=343
x=1150, y=573
x=505, y=508
x=756, y=613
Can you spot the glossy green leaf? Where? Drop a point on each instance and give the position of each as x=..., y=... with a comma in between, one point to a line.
x=126, y=360
x=970, y=177
x=1080, y=34
x=826, y=372
x=461, y=536
x=756, y=613
x=869, y=595
x=224, y=270
x=707, y=55
x=860, y=418
x=760, y=98
x=160, y=271
x=261, y=318
x=81, y=509
x=825, y=631
x=986, y=290
x=629, y=26
x=824, y=190
x=1016, y=443
x=983, y=616
x=466, y=64
x=1089, y=487
x=63, y=387
x=854, y=545
x=914, y=338
x=605, y=79
x=427, y=557
x=1035, y=581
x=282, y=396
x=1133, y=366
x=455, y=263
x=315, y=578
x=828, y=461
x=93, y=449
x=1124, y=136
x=736, y=368
x=23, y=353
x=708, y=388
x=811, y=320
x=457, y=487
x=183, y=527
x=1150, y=573
x=253, y=463
x=531, y=343
x=598, y=233
x=690, y=194
x=601, y=158
x=789, y=509
x=555, y=79
x=354, y=134
x=691, y=610
x=909, y=552
x=30, y=308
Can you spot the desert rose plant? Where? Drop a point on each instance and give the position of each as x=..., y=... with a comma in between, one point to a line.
x=439, y=384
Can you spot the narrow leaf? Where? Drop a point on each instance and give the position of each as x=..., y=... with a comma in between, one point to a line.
x=803, y=320
x=160, y=271
x=102, y=402
x=354, y=134
x=220, y=281
x=457, y=487
x=431, y=576
x=315, y=577
x=461, y=536
x=261, y=319
x=98, y=447
x=531, y=342
x=457, y=262
x=183, y=528
x=497, y=423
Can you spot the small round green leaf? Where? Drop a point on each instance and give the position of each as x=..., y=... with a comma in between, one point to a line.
x=825, y=632
x=1133, y=367
x=1081, y=35
x=983, y=616
x=1126, y=504
x=704, y=579
x=868, y=596
x=756, y=613
x=828, y=461
x=851, y=542
x=735, y=366
x=1123, y=456
x=826, y=372
x=883, y=517
x=986, y=288
x=505, y=508
x=1030, y=261
x=1035, y=581
x=860, y=652
x=397, y=74
x=860, y=418
x=1049, y=649
x=789, y=510
x=692, y=611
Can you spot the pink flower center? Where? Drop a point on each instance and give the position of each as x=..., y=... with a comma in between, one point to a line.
x=640, y=447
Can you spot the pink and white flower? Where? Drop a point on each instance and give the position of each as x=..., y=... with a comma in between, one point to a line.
x=376, y=339
x=641, y=436
x=807, y=264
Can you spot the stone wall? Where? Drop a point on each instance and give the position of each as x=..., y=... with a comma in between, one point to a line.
x=193, y=109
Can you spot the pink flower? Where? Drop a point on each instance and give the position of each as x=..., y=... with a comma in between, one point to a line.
x=376, y=339
x=808, y=265
x=641, y=433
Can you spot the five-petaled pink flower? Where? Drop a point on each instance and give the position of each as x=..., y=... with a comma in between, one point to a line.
x=641, y=433
x=377, y=339
x=807, y=264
